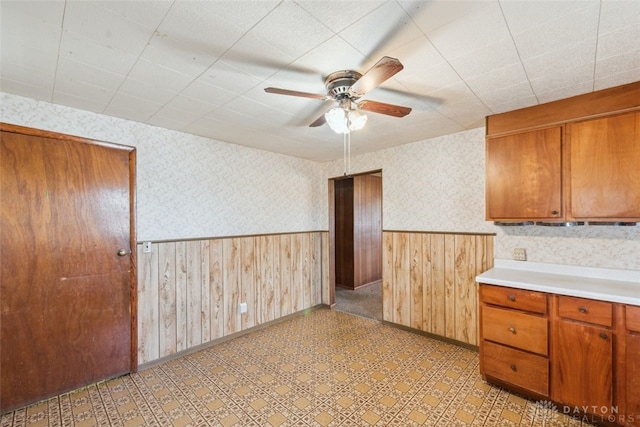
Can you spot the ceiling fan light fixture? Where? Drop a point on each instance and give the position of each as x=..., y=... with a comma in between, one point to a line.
x=356, y=120
x=337, y=120
x=342, y=120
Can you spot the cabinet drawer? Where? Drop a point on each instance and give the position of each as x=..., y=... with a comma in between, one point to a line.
x=633, y=318
x=515, y=298
x=513, y=328
x=516, y=367
x=586, y=310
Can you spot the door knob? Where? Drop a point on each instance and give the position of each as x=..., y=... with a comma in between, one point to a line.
x=122, y=252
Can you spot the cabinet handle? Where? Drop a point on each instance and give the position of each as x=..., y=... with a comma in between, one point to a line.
x=604, y=336
x=583, y=310
x=514, y=368
x=554, y=213
x=512, y=330
x=512, y=298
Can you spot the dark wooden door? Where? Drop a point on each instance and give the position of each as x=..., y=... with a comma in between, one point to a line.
x=66, y=292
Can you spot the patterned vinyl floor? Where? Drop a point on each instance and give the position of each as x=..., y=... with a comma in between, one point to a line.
x=324, y=368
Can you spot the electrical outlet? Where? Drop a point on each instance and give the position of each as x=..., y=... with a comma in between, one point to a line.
x=243, y=307
x=520, y=254
x=146, y=247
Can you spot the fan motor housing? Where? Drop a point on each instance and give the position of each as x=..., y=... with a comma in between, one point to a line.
x=338, y=83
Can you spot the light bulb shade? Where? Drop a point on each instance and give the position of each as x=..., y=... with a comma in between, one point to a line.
x=356, y=120
x=341, y=120
x=337, y=120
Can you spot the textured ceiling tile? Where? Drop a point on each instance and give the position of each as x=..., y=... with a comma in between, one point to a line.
x=555, y=92
x=90, y=74
x=339, y=16
x=291, y=30
x=199, y=27
x=620, y=41
x=134, y=108
x=207, y=93
x=579, y=57
x=559, y=33
x=229, y=77
x=471, y=32
x=99, y=96
x=105, y=28
x=505, y=95
x=523, y=16
x=498, y=79
x=618, y=14
x=177, y=56
x=484, y=60
x=34, y=91
x=381, y=31
x=159, y=76
x=429, y=16
x=148, y=13
x=89, y=104
x=138, y=89
x=256, y=56
x=83, y=50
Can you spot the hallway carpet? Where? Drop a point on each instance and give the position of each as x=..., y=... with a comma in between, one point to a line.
x=323, y=368
x=365, y=301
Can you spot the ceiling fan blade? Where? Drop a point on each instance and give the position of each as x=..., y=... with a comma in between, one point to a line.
x=296, y=93
x=380, y=72
x=383, y=108
x=318, y=122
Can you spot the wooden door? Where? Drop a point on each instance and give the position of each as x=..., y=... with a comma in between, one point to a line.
x=582, y=366
x=67, y=299
x=367, y=229
x=524, y=175
x=605, y=171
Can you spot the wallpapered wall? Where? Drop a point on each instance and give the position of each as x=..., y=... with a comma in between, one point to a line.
x=438, y=185
x=194, y=187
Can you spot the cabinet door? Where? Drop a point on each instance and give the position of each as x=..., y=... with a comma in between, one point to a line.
x=582, y=366
x=524, y=175
x=604, y=156
x=633, y=379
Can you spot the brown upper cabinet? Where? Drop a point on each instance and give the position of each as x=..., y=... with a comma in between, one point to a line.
x=604, y=168
x=524, y=175
x=573, y=159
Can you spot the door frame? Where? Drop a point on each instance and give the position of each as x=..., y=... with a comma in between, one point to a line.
x=332, y=227
x=5, y=127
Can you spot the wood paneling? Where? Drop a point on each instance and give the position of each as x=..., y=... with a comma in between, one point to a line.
x=190, y=291
x=429, y=281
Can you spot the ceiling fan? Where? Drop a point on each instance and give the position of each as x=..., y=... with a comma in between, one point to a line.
x=346, y=87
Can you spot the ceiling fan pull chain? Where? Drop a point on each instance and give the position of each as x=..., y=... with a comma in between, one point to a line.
x=348, y=139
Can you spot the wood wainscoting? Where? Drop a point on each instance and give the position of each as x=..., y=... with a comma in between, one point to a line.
x=428, y=281
x=189, y=292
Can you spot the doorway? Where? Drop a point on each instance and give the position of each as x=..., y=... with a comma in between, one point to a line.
x=67, y=274
x=355, y=228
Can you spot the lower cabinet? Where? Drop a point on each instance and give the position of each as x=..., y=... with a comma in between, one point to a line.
x=582, y=373
x=581, y=354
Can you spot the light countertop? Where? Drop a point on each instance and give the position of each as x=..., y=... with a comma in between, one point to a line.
x=622, y=286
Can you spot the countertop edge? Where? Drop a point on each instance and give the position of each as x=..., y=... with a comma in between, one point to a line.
x=618, y=288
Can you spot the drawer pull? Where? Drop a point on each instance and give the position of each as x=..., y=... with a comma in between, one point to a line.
x=583, y=310
x=512, y=330
x=604, y=336
x=514, y=368
x=512, y=298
